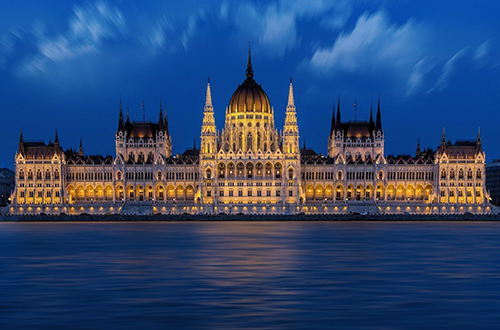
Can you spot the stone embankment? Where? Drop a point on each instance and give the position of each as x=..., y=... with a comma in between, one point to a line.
x=303, y=217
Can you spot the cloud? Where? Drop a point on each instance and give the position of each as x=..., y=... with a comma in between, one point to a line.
x=373, y=42
x=448, y=69
x=87, y=29
x=482, y=51
x=416, y=79
x=274, y=26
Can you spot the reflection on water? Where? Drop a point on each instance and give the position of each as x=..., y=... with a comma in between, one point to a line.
x=245, y=275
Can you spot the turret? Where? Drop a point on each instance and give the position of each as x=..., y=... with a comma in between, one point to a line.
x=378, y=124
x=478, y=141
x=120, y=118
x=161, y=123
x=21, y=144
x=80, y=150
x=418, y=152
x=56, y=143
x=208, y=129
x=443, y=140
x=291, y=129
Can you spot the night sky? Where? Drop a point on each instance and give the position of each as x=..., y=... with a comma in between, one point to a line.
x=65, y=65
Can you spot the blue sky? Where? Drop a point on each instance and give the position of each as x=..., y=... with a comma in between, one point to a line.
x=65, y=65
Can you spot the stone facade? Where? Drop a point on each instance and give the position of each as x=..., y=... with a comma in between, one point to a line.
x=250, y=167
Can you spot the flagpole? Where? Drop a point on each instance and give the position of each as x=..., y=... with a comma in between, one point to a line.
x=355, y=109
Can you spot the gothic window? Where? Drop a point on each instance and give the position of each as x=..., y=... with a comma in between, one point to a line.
x=230, y=168
x=277, y=169
x=222, y=170
x=240, y=140
x=209, y=173
x=21, y=175
x=452, y=174
x=118, y=175
x=461, y=174
x=159, y=175
x=258, y=140
x=469, y=174
x=380, y=175
x=443, y=174
x=478, y=174
x=339, y=175
x=239, y=169
x=249, y=193
x=290, y=174
x=249, y=170
x=47, y=175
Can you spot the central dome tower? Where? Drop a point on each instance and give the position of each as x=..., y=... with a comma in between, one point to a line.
x=249, y=122
x=249, y=96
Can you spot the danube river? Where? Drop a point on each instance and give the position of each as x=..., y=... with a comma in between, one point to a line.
x=250, y=275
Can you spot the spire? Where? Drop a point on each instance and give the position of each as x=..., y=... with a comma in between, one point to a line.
x=378, y=125
x=120, y=118
x=249, y=65
x=443, y=140
x=371, y=115
x=304, y=147
x=337, y=123
x=21, y=143
x=333, y=126
x=194, y=144
x=80, y=150
x=161, y=124
x=208, y=100
x=291, y=102
x=165, y=123
x=478, y=142
x=128, y=117
x=417, y=153
x=56, y=139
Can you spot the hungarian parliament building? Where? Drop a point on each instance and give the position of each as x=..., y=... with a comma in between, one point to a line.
x=250, y=168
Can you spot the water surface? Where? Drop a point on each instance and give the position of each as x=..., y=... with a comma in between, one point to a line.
x=249, y=275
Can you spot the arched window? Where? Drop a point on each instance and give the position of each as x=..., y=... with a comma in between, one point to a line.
x=159, y=175
x=240, y=140
x=30, y=175
x=478, y=174
x=443, y=174
x=118, y=175
x=277, y=169
x=380, y=175
x=290, y=173
x=452, y=174
x=209, y=173
x=21, y=174
x=461, y=174
x=47, y=175
x=469, y=174
x=39, y=175
x=339, y=175
x=56, y=175
x=258, y=140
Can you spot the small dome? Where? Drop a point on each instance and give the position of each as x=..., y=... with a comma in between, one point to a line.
x=249, y=95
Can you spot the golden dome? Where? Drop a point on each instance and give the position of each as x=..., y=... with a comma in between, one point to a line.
x=249, y=96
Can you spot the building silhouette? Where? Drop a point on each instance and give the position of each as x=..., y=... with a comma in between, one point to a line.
x=250, y=167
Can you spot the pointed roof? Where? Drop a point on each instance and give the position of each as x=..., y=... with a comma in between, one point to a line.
x=291, y=102
x=333, y=125
x=120, y=118
x=161, y=124
x=208, y=99
x=337, y=122
x=249, y=72
x=21, y=143
x=378, y=124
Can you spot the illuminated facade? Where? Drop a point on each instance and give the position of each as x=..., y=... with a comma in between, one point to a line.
x=250, y=168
